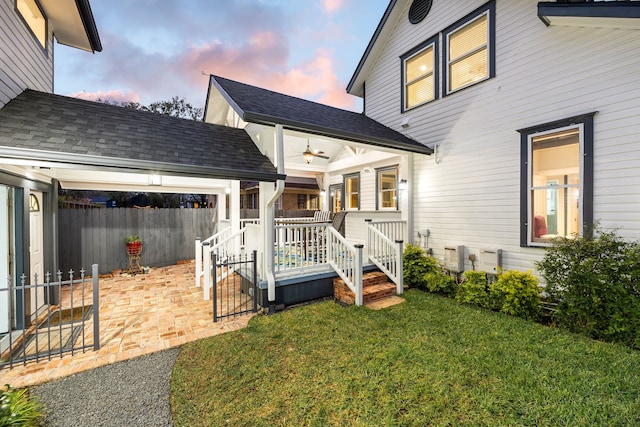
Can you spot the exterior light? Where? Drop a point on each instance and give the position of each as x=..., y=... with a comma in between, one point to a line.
x=403, y=184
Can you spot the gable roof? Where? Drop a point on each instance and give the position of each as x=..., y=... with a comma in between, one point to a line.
x=49, y=128
x=257, y=105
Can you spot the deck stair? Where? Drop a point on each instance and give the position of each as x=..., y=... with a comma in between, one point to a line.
x=375, y=286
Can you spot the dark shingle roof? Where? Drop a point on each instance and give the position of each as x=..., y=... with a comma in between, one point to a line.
x=42, y=126
x=257, y=105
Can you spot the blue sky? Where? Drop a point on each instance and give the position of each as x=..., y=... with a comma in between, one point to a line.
x=156, y=49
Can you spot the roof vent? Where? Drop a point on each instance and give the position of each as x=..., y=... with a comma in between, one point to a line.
x=419, y=10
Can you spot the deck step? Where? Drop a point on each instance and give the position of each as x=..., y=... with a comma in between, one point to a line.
x=375, y=286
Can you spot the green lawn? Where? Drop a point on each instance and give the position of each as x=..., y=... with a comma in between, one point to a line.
x=428, y=361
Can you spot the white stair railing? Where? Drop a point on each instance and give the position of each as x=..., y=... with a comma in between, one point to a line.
x=212, y=240
x=222, y=249
x=346, y=260
x=386, y=252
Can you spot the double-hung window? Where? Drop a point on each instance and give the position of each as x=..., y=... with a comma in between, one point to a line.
x=469, y=49
x=352, y=191
x=387, y=183
x=556, y=180
x=419, y=76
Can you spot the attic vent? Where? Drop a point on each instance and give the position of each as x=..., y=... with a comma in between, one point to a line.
x=419, y=10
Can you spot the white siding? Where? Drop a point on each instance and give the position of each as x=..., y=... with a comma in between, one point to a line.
x=543, y=74
x=23, y=62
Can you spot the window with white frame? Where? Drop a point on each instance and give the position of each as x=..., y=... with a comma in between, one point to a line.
x=33, y=16
x=387, y=184
x=352, y=191
x=469, y=50
x=419, y=76
x=557, y=175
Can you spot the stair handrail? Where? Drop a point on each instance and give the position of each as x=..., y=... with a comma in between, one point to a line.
x=346, y=261
x=198, y=249
x=207, y=250
x=386, y=254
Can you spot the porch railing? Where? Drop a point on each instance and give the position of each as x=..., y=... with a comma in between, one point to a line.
x=385, y=252
x=299, y=245
x=346, y=260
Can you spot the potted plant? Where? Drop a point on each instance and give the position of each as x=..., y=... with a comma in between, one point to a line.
x=134, y=245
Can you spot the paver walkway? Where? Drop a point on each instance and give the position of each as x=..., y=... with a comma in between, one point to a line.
x=139, y=315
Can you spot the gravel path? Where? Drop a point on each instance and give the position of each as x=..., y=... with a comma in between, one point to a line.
x=130, y=393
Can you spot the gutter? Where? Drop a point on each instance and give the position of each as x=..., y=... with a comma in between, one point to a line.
x=269, y=225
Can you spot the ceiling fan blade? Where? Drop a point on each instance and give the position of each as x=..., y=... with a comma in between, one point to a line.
x=321, y=156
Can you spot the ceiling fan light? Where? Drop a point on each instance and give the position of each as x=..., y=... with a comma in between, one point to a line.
x=308, y=156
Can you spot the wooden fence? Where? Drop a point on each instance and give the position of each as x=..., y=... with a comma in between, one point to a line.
x=97, y=236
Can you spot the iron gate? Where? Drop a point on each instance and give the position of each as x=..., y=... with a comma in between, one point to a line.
x=64, y=319
x=235, y=286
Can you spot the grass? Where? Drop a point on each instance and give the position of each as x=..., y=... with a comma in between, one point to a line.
x=428, y=361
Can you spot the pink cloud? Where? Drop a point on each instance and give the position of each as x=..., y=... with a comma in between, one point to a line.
x=332, y=5
x=263, y=62
x=116, y=96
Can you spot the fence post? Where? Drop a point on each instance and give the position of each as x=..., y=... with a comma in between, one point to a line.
x=215, y=285
x=198, y=261
x=255, y=281
x=400, y=269
x=207, y=270
x=96, y=307
x=358, y=274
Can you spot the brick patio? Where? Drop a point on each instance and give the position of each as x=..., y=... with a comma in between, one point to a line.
x=139, y=315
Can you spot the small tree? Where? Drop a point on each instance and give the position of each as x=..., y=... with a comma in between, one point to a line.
x=596, y=284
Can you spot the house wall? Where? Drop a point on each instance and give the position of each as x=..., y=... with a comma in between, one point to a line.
x=23, y=62
x=471, y=197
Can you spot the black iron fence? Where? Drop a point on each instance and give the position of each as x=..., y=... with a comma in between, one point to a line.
x=235, y=286
x=49, y=317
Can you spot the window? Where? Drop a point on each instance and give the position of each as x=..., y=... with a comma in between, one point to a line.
x=556, y=180
x=387, y=184
x=351, y=191
x=469, y=47
x=335, y=197
x=34, y=205
x=34, y=18
x=419, y=75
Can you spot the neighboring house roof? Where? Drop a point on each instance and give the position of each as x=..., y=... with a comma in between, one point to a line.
x=44, y=127
x=257, y=105
x=73, y=23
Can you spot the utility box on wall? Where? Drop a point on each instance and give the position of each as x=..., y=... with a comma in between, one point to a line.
x=490, y=260
x=454, y=258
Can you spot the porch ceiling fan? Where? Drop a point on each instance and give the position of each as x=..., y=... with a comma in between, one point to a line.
x=309, y=154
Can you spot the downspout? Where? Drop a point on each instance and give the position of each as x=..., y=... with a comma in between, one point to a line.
x=270, y=221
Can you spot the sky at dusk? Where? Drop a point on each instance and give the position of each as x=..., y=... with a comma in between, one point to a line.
x=154, y=50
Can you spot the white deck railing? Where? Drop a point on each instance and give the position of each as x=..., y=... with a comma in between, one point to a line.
x=386, y=252
x=346, y=260
x=299, y=245
x=212, y=240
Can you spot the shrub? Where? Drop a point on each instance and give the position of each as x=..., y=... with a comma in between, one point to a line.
x=596, y=284
x=517, y=294
x=473, y=289
x=415, y=264
x=18, y=409
x=440, y=283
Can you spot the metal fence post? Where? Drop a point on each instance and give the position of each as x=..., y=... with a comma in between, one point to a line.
x=215, y=285
x=96, y=307
x=255, y=281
